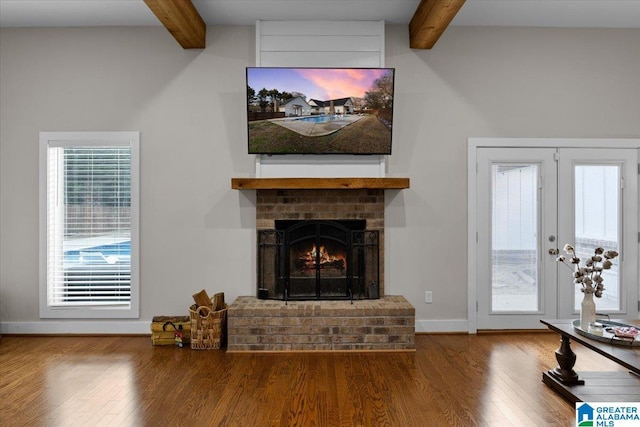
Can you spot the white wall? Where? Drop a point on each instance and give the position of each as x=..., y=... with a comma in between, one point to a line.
x=189, y=107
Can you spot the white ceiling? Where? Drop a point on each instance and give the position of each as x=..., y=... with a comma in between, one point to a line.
x=541, y=13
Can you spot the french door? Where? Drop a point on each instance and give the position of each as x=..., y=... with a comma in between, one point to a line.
x=530, y=202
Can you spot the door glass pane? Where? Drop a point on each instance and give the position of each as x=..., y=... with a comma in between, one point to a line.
x=514, y=248
x=597, y=224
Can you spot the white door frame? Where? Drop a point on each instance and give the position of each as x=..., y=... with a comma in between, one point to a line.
x=473, y=144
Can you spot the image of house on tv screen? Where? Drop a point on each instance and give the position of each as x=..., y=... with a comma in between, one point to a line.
x=320, y=110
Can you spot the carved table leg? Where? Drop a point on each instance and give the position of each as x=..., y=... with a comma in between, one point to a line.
x=566, y=360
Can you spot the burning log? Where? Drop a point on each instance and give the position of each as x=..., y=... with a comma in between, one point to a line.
x=321, y=259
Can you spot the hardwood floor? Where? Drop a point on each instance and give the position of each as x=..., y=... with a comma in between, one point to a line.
x=451, y=380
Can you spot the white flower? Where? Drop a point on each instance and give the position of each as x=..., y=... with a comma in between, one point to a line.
x=589, y=276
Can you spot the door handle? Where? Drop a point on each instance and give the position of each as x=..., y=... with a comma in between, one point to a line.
x=554, y=251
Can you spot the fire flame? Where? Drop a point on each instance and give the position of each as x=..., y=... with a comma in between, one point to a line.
x=322, y=256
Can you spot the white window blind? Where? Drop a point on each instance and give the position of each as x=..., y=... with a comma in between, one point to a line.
x=89, y=224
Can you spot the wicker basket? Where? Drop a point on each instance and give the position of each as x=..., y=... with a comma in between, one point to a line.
x=208, y=327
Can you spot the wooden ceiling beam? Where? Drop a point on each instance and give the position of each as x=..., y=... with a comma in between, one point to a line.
x=430, y=20
x=182, y=20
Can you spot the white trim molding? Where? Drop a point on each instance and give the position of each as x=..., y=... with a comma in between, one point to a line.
x=442, y=326
x=111, y=327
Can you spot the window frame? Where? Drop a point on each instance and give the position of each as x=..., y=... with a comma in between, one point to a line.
x=70, y=139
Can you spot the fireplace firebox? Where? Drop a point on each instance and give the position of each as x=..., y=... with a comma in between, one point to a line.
x=318, y=260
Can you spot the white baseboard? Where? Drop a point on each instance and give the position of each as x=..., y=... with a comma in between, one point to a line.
x=77, y=327
x=442, y=326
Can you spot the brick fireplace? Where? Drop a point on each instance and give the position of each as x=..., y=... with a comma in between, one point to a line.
x=364, y=323
x=346, y=217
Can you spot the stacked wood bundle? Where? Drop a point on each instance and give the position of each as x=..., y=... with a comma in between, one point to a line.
x=166, y=330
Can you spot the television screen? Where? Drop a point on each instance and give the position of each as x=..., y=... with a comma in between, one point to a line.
x=320, y=110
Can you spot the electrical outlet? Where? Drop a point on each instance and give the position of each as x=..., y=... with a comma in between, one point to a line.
x=428, y=297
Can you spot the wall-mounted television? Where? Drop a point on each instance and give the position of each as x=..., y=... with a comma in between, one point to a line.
x=320, y=110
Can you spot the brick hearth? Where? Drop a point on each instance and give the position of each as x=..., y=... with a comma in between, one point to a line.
x=387, y=323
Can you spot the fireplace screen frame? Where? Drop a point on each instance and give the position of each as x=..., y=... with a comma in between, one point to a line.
x=274, y=266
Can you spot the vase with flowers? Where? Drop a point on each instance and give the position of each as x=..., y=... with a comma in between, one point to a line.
x=588, y=275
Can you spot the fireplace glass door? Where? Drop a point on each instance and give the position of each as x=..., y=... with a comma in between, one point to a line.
x=318, y=261
x=304, y=260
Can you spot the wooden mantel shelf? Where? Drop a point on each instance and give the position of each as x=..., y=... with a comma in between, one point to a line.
x=318, y=183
